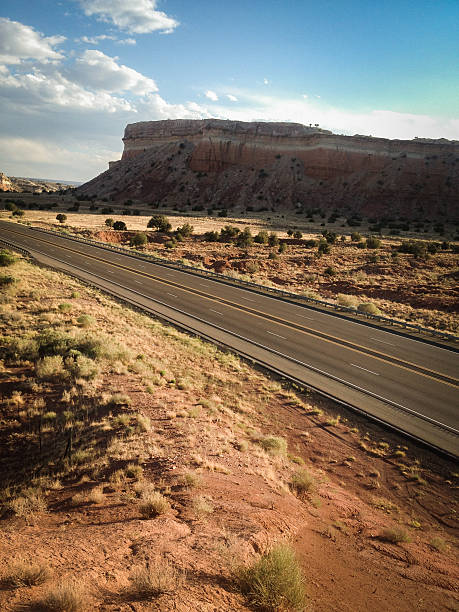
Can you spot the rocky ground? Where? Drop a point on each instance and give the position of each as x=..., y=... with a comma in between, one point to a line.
x=151, y=410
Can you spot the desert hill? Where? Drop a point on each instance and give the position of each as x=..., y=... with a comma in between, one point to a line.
x=281, y=166
x=30, y=185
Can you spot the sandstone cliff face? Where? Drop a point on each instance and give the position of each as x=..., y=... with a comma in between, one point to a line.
x=19, y=184
x=281, y=165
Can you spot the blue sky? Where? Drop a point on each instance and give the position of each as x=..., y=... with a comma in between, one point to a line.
x=74, y=73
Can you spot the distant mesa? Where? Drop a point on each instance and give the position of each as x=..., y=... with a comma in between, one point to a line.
x=17, y=184
x=280, y=166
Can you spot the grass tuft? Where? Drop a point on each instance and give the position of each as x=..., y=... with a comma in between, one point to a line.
x=23, y=573
x=274, y=582
x=153, y=504
x=302, y=481
x=394, y=535
x=157, y=578
x=65, y=597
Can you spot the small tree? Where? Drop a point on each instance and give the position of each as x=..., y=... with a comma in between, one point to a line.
x=109, y=222
x=186, y=230
x=261, y=237
x=245, y=238
x=18, y=213
x=298, y=235
x=120, y=226
x=138, y=240
x=373, y=243
x=61, y=218
x=160, y=223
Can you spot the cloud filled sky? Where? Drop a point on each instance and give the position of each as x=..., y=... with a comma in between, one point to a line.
x=73, y=73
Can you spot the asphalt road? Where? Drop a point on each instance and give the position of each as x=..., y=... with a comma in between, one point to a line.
x=399, y=380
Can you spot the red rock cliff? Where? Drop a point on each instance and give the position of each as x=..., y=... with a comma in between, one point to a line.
x=281, y=165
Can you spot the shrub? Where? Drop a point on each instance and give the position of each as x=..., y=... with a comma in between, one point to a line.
x=138, y=240
x=323, y=248
x=202, y=505
x=244, y=239
x=109, y=222
x=373, y=243
x=120, y=226
x=29, y=503
x=369, y=308
x=23, y=573
x=282, y=247
x=85, y=320
x=302, y=481
x=347, y=300
x=438, y=544
x=61, y=218
x=65, y=307
x=274, y=582
x=153, y=504
x=7, y=258
x=134, y=470
x=7, y=281
x=261, y=237
x=65, y=597
x=356, y=237
x=50, y=367
x=273, y=239
x=330, y=271
x=273, y=444
x=394, y=535
x=18, y=213
x=160, y=223
x=186, y=230
x=157, y=578
x=211, y=236
x=298, y=235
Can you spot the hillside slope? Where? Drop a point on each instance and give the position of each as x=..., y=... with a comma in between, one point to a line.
x=276, y=166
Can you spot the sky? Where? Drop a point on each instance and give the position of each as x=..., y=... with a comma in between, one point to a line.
x=74, y=73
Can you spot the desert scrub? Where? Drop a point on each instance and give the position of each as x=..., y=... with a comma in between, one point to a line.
x=274, y=582
x=369, y=308
x=273, y=444
x=153, y=504
x=157, y=578
x=7, y=258
x=134, y=470
x=438, y=544
x=85, y=320
x=23, y=573
x=394, y=535
x=28, y=504
x=65, y=597
x=302, y=481
x=51, y=368
x=202, y=506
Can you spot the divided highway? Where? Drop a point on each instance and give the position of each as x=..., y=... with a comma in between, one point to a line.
x=408, y=384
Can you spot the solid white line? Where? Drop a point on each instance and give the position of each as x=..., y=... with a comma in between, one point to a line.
x=305, y=317
x=172, y=294
x=203, y=285
x=383, y=341
x=278, y=335
x=360, y=368
x=212, y=310
x=248, y=299
x=138, y=282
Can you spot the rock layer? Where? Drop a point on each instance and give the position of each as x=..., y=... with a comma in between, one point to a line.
x=281, y=165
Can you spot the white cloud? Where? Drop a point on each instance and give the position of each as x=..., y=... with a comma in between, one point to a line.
x=19, y=42
x=139, y=16
x=305, y=96
x=154, y=107
x=95, y=40
x=265, y=82
x=101, y=72
x=382, y=123
x=211, y=95
x=127, y=41
x=231, y=97
x=37, y=91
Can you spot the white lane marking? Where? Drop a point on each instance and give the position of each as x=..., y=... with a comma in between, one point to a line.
x=172, y=294
x=212, y=310
x=203, y=284
x=383, y=341
x=360, y=368
x=278, y=335
x=139, y=282
x=305, y=317
x=248, y=299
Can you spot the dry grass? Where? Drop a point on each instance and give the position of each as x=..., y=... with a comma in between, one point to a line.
x=395, y=535
x=67, y=596
x=275, y=445
x=23, y=573
x=302, y=482
x=155, y=579
x=202, y=506
x=274, y=582
x=153, y=504
x=27, y=505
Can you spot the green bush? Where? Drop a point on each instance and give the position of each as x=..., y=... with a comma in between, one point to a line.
x=160, y=223
x=274, y=582
x=373, y=243
x=369, y=308
x=302, y=481
x=273, y=239
x=85, y=320
x=120, y=226
x=61, y=218
x=7, y=258
x=7, y=281
x=261, y=237
x=138, y=240
x=273, y=444
x=109, y=222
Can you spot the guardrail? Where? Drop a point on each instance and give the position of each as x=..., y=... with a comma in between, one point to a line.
x=260, y=288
